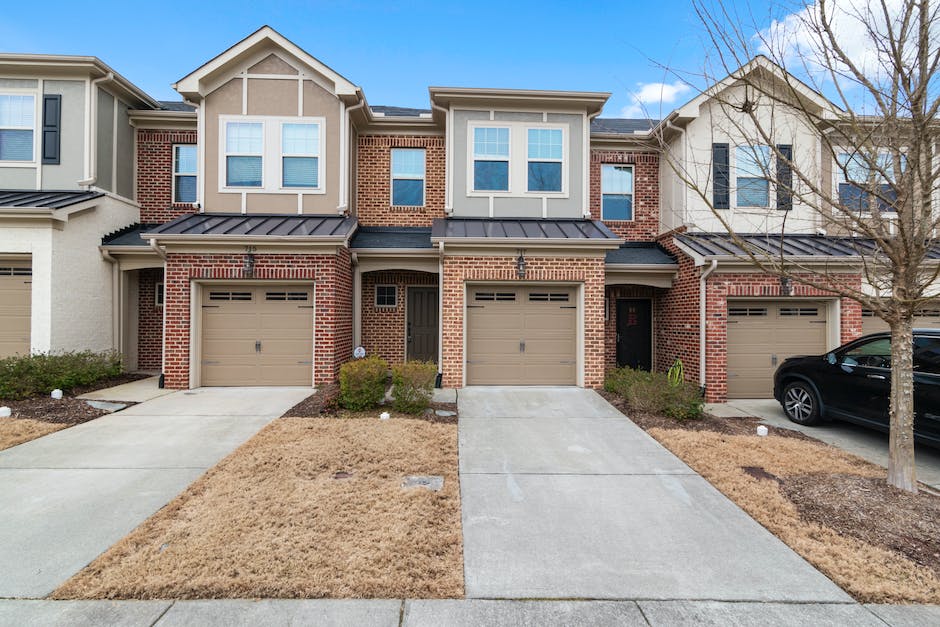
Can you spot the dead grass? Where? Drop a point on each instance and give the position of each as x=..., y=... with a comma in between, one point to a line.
x=15, y=431
x=867, y=569
x=271, y=521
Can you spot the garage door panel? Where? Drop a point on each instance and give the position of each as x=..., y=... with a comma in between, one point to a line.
x=15, y=308
x=495, y=374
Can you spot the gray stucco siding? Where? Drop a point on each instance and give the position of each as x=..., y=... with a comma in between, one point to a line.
x=105, y=140
x=70, y=169
x=124, y=185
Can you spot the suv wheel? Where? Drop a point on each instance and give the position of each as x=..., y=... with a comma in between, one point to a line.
x=800, y=403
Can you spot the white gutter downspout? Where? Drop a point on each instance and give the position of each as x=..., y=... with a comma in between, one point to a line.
x=357, y=301
x=701, y=321
x=346, y=147
x=91, y=138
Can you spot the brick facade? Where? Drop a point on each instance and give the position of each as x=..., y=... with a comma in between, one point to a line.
x=331, y=273
x=149, y=320
x=383, y=328
x=460, y=270
x=645, y=223
x=677, y=316
x=155, y=174
x=374, y=185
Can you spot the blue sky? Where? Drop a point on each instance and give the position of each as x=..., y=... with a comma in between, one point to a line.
x=393, y=52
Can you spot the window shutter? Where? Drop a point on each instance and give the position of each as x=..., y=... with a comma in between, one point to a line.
x=785, y=178
x=721, y=197
x=51, y=131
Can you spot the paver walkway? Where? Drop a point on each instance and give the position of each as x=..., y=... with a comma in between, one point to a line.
x=563, y=497
x=66, y=497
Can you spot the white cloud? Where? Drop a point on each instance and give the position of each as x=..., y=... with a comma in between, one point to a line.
x=650, y=99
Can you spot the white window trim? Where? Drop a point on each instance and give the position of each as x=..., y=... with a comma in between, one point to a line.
x=632, y=194
x=37, y=121
x=838, y=176
x=375, y=297
x=518, y=167
x=176, y=174
x=528, y=160
x=392, y=177
x=281, y=154
x=771, y=188
x=159, y=296
x=271, y=155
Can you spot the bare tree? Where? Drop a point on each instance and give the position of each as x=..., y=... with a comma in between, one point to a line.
x=876, y=176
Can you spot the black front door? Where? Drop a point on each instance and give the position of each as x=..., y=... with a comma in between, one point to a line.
x=422, y=328
x=635, y=333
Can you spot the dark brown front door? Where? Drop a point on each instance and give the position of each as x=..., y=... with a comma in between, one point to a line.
x=634, y=333
x=422, y=331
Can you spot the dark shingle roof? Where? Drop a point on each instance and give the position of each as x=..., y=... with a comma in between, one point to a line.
x=622, y=126
x=391, y=237
x=47, y=199
x=128, y=236
x=399, y=112
x=520, y=228
x=241, y=225
x=791, y=245
x=640, y=253
x=175, y=105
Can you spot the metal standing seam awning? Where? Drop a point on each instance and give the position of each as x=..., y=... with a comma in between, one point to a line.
x=238, y=227
x=524, y=232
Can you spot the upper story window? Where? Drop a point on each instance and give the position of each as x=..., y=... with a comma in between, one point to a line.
x=408, y=172
x=184, y=173
x=17, y=127
x=491, y=159
x=752, y=165
x=865, y=181
x=271, y=154
x=616, y=192
x=546, y=154
x=300, y=154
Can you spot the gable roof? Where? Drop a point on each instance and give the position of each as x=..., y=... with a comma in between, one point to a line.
x=191, y=85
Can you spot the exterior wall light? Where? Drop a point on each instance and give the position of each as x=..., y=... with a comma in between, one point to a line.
x=249, y=268
x=520, y=265
x=786, y=288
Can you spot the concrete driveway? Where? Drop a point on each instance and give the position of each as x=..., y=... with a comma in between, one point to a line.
x=866, y=443
x=65, y=498
x=563, y=497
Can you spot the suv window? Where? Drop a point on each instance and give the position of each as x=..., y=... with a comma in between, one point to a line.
x=927, y=355
x=873, y=353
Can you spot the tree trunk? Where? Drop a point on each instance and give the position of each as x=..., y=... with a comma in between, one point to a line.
x=901, y=470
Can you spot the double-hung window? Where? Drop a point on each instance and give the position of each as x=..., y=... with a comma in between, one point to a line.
x=244, y=154
x=184, y=173
x=753, y=170
x=300, y=155
x=545, y=152
x=864, y=184
x=491, y=159
x=616, y=192
x=408, y=169
x=17, y=127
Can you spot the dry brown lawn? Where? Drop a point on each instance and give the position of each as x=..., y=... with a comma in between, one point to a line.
x=272, y=521
x=760, y=473
x=15, y=431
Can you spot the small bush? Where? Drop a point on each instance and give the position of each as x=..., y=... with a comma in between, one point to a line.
x=651, y=392
x=23, y=376
x=413, y=386
x=362, y=383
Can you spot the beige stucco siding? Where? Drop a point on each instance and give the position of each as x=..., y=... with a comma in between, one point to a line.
x=104, y=148
x=70, y=169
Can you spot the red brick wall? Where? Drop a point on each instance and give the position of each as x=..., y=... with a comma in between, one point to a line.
x=719, y=287
x=460, y=270
x=610, y=335
x=383, y=328
x=149, y=321
x=645, y=223
x=677, y=316
x=332, y=317
x=373, y=176
x=155, y=174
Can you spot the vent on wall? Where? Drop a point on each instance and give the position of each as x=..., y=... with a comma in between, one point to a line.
x=229, y=295
x=494, y=296
x=286, y=296
x=8, y=271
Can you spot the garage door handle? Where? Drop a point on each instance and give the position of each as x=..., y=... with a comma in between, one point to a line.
x=521, y=346
x=880, y=377
x=257, y=346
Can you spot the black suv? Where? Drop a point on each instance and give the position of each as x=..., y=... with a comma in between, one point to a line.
x=853, y=383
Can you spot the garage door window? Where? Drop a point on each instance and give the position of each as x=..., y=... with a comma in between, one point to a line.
x=286, y=296
x=8, y=271
x=548, y=297
x=747, y=311
x=799, y=311
x=230, y=296
x=494, y=296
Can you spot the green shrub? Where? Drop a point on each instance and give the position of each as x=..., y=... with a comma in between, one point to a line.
x=362, y=383
x=23, y=376
x=653, y=393
x=413, y=386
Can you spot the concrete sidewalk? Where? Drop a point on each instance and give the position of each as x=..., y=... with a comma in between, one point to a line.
x=455, y=613
x=66, y=497
x=564, y=498
x=868, y=444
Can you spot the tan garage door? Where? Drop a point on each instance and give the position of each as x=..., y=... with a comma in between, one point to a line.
x=522, y=335
x=761, y=334
x=928, y=319
x=257, y=335
x=15, y=305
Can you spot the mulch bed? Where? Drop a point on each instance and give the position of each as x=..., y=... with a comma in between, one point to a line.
x=69, y=410
x=325, y=404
